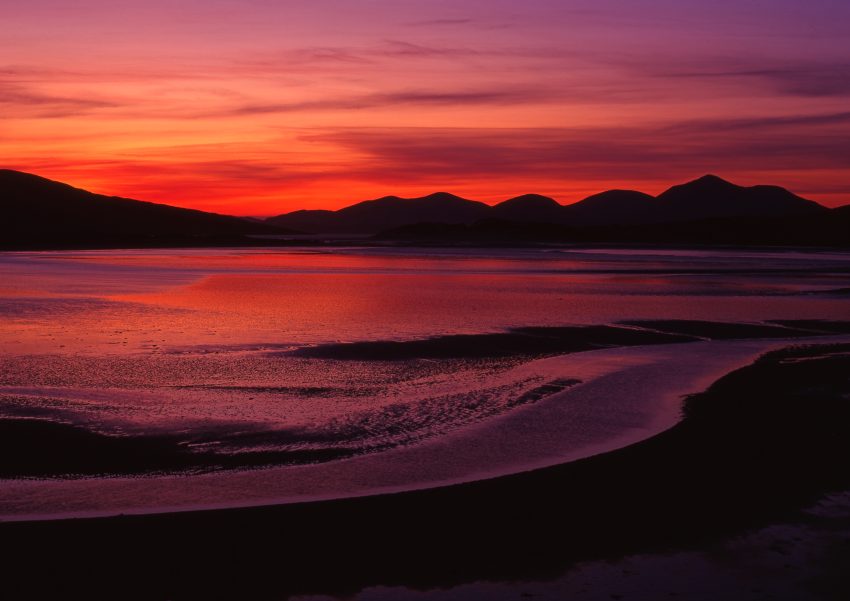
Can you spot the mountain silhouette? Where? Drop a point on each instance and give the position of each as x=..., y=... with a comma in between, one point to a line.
x=712, y=197
x=372, y=216
x=40, y=211
x=708, y=197
x=614, y=207
x=529, y=208
x=309, y=220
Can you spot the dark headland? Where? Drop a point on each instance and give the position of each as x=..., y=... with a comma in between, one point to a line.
x=40, y=213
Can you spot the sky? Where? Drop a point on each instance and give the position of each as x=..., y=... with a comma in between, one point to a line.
x=258, y=107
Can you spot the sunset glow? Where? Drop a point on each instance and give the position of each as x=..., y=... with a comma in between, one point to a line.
x=424, y=300
x=260, y=107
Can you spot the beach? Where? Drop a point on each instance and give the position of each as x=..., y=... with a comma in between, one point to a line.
x=759, y=446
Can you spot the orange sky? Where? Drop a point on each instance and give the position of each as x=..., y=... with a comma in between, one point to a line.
x=259, y=107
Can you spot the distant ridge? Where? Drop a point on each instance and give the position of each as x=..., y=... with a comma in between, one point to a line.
x=371, y=216
x=41, y=212
x=708, y=197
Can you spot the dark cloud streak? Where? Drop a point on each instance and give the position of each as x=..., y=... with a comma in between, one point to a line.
x=403, y=98
x=21, y=101
x=815, y=79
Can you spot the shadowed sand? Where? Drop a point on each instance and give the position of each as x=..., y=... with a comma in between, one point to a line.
x=533, y=341
x=518, y=341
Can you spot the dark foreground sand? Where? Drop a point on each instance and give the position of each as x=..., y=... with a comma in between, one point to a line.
x=758, y=447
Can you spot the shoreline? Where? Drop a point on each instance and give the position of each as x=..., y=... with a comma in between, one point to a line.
x=322, y=242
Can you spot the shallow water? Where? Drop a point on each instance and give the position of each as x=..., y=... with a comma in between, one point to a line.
x=199, y=348
x=106, y=302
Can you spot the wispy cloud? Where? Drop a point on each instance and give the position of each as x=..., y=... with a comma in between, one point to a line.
x=813, y=78
x=401, y=48
x=439, y=22
x=499, y=97
x=23, y=101
x=366, y=55
x=328, y=54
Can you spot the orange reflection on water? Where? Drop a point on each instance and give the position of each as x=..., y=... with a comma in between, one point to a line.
x=344, y=306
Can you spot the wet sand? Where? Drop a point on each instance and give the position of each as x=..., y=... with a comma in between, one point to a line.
x=78, y=426
x=617, y=397
x=761, y=444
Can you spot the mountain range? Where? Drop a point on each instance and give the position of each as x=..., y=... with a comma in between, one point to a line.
x=708, y=197
x=40, y=213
